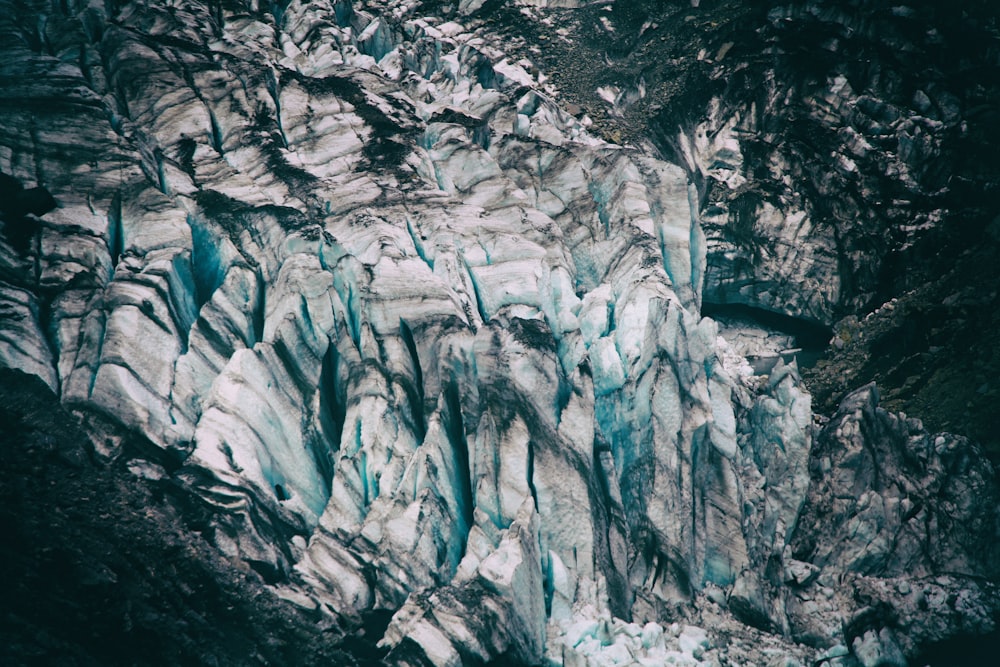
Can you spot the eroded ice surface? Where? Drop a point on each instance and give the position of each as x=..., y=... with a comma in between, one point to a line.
x=420, y=341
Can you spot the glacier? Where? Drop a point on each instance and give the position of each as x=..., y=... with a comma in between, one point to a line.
x=423, y=344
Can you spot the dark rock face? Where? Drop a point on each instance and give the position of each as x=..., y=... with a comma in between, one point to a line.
x=406, y=359
x=838, y=146
x=16, y=205
x=932, y=350
x=886, y=453
x=926, y=514
x=108, y=565
x=869, y=121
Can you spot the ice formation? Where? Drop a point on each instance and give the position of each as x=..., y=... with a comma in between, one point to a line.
x=423, y=344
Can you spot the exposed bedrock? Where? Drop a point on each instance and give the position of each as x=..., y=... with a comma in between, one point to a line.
x=842, y=149
x=426, y=349
x=848, y=160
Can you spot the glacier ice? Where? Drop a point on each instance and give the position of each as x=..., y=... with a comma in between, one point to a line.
x=425, y=345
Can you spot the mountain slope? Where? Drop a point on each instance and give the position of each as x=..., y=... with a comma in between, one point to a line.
x=402, y=336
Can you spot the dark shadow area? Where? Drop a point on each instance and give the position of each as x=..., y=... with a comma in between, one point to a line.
x=363, y=644
x=103, y=567
x=810, y=336
x=20, y=209
x=961, y=651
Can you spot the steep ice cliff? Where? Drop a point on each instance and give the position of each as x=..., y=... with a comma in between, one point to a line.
x=844, y=158
x=426, y=350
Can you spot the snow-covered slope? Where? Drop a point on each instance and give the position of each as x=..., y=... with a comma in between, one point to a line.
x=425, y=345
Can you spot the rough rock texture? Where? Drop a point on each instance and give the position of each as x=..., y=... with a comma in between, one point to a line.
x=880, y=486
x=836, y=145
x=933, y=350
x=430, y=354
x=105, y=564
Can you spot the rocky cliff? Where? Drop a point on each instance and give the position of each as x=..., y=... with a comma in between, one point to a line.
x=396, y=310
